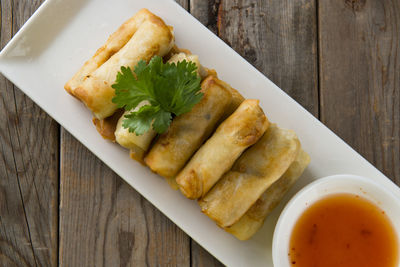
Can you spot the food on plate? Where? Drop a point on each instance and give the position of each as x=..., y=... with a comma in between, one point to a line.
x=187, y=132
x=106, y=127
x=237, y=99
x=257, y=169
x=151, y=38
x=114, y=43
x=178, y=118
x=254, y=217
x=181, y=56
x=239, y=131
x=170, y=90
x=139, y=144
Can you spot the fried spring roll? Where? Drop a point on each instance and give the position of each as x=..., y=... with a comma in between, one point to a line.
x=241, y=130
x=257, y=169
x=254, y=218
x=138, y=144
x=188, y=131
x=152, y=38
x=237, y=99
x=189, y=57
x=107, y=126
x=113, y=44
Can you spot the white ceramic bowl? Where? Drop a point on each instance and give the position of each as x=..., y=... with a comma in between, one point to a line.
x=313, y=192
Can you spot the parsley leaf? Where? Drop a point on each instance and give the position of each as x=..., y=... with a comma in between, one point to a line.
x=140, y=121
x=169, y=88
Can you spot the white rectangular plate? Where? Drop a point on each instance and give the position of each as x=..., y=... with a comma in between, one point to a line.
x=63, y=34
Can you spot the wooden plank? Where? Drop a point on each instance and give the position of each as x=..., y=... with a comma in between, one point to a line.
x=29, y=165
x=201, y=258
x=183, y=3
x=360, y=77
x=207, y=13
x=104, y=222
x=279, y=38
x=13, y=227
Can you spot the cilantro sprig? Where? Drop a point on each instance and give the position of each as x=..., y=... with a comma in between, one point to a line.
x=169, y=88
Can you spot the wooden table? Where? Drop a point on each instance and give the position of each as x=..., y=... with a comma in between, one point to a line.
x=60, y=205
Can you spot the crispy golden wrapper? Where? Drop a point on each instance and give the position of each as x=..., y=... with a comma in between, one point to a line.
x=189, y=57
x=254, y=218
x=106, y=127
x=188, y=131
x=151, y=38
x=241, y=130
x=237, y=99
x=139, y=144
x=113, y=44
x=256, y=170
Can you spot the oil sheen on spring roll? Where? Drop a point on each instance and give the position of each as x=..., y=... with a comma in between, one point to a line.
x=257, y=169
x=241, y=130
x=107, y=126
x=152, y=38
x=113, y=44
x=176, y=50
x=189, y=57
x=139, y=144
x=188, y=131
x=237, y=99
x=254, y=218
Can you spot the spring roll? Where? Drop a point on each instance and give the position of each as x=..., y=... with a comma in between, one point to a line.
x=188, y=131
x=152, y=38
x=237, y=99
x=139, y=144
x=257, y=169
x=254, y=218
x=107, y=126
x=114, y=43
x=189, y=57
x=241, y=130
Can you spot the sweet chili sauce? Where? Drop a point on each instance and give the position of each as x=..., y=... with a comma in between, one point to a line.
x=343, y=230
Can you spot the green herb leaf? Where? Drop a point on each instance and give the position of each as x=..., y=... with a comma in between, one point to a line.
x=171, y=89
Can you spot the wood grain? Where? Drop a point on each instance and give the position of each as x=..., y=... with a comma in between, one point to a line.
x=28, y=165
x=280, y=39
x=360, y=80
x=207, y=13
x=183, y=3
x=352, y=46
x=104, y=222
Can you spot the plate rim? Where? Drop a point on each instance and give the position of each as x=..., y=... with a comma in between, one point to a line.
x=43, y=8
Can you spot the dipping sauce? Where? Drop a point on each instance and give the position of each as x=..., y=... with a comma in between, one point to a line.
x=343, y=230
